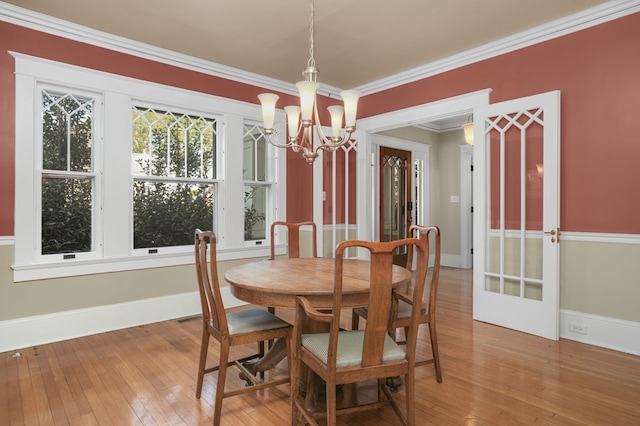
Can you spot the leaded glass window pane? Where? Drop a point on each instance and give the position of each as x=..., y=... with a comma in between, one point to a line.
x=256, y=188
x=67, y=180
x=174, y=168
x=66, y=215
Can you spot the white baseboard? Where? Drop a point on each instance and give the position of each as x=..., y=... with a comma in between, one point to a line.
x=451, y=260
x=611, y=333
x=42, y=329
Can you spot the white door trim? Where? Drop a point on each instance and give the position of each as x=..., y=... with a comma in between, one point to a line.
x=466, y=204
x=457, y=105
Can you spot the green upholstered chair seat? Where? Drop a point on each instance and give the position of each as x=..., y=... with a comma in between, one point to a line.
x=349, y=348
x=252, y=320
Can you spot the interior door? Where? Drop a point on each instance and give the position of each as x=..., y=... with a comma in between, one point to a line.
x=395, y=196
x=516, y=214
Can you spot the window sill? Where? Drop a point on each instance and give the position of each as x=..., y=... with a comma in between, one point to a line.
x=72, y=268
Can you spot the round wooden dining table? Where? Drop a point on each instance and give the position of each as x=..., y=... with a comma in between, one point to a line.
x=278, y=282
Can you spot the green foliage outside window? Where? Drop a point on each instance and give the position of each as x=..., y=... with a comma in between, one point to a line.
x=251, y=216
x=166, y=215
x=66, y=216
x=176, y=154
x=67, y=185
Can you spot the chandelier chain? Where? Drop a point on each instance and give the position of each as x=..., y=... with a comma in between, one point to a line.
x=312, y=60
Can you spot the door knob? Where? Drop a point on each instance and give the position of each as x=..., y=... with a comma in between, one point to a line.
x=553, y=233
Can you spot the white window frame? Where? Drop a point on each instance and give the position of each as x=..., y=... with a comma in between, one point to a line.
x=119, y=94
x=96, y=173
x=215, y=182
x=269, y=183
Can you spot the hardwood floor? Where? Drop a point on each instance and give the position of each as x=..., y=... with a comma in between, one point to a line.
x=491, y=376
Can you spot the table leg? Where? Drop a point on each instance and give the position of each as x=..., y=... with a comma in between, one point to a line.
x=394, y=383
x=274, y=355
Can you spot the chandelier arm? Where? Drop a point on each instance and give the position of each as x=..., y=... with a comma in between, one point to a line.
x=335, y=144
x=289, y=144
x=293, y=139
x=324, y=140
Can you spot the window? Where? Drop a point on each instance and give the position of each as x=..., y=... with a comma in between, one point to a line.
x=116, y=173
x=173, y=158
x=256, y=187
x=67, y=173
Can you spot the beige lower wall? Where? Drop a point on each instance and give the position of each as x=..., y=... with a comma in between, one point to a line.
x=600, y=278
x=32, y=298
x=596, y=278
x=328, y=246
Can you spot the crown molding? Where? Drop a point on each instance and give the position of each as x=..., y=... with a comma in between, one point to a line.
x=590, y=17
x=587, y=18
x=58, y=27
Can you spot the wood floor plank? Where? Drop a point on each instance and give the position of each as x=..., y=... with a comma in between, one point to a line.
x=75, y=379
x=11, y=402
x=491, y=376
x=53, y=392
x=29, y=407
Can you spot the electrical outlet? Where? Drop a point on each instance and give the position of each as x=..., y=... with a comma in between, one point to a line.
x=577, y=328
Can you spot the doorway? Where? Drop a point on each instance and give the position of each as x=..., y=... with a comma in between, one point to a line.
x=369, y=132
x=395, y=186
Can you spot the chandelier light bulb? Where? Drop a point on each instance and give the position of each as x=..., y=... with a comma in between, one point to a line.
x=350, y=99
x=336, y=111
x=293, y=119
x=268, y=101
x=307, y=90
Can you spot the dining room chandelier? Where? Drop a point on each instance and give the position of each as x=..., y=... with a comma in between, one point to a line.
x=300, y=132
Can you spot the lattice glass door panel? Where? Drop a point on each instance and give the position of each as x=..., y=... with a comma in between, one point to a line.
x=513, y=249
x=516, y=214
x=395, y=195
x=339, y=207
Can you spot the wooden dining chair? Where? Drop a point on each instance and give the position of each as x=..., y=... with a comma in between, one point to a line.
x=428, y=310
x=230, y=328
x=293, y=241
x=349, y=356
x=293, y=238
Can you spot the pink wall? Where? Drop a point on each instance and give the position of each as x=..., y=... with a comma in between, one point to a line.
x=597, y=70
